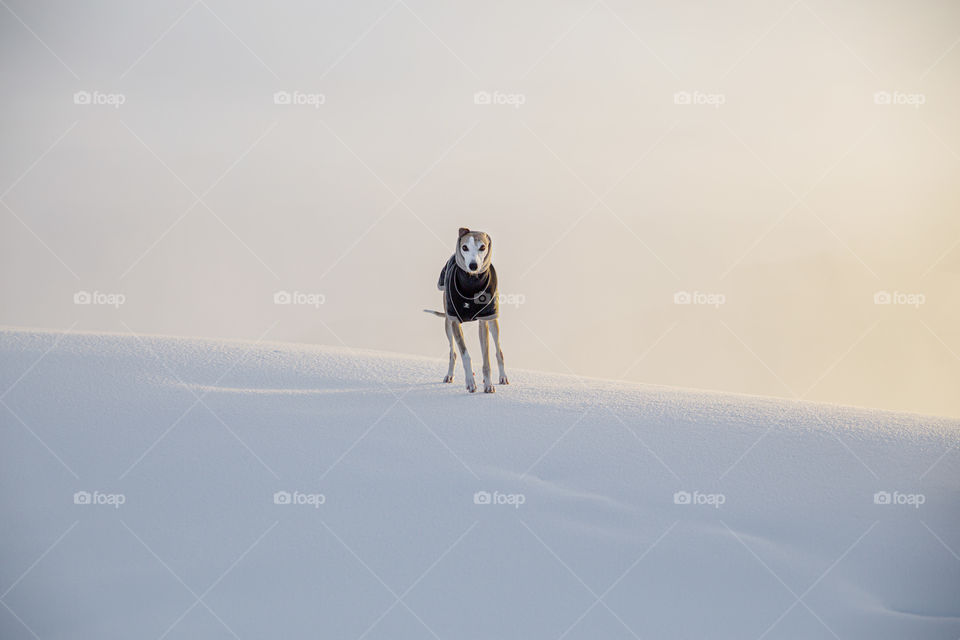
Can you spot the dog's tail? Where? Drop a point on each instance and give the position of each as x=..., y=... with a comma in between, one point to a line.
x=439, y=314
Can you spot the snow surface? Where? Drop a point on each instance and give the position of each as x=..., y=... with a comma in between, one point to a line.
x=198, y=435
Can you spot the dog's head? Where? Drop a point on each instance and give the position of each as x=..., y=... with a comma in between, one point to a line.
x=473, y=251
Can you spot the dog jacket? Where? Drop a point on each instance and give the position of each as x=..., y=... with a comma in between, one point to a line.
x=469, y=297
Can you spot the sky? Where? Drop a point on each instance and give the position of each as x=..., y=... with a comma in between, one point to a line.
x=754, y=197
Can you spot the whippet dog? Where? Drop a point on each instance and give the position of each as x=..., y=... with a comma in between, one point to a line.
x=469, y=285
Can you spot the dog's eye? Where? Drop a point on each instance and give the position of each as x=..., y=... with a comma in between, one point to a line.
x=483, y=248
x=463, y=248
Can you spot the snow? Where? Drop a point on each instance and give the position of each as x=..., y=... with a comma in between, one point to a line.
x=194, y=437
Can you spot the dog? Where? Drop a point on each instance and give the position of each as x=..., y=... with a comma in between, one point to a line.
x=469, y=285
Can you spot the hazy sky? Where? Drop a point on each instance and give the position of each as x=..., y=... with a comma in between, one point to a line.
x=784, y=160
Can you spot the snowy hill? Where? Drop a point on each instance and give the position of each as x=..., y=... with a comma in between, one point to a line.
x=159, y=487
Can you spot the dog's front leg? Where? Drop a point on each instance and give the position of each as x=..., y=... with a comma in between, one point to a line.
x=448, y=326
x=495, y=332
x=485, y=352
x=457, y=329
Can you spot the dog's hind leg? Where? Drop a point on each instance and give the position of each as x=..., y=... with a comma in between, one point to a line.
x=453, y=352
x=485, y=352
x=457, y=331
x=495, y=332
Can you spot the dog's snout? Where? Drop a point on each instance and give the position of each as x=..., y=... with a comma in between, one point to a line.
x=473, y=266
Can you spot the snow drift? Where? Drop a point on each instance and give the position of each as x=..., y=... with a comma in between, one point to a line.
x=157, y=487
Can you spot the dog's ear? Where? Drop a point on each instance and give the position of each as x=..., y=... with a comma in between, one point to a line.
x=463, y=231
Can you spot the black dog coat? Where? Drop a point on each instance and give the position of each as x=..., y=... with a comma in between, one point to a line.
x=469, y=297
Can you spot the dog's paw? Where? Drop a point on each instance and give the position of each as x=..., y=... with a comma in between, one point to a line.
x=489, y=388
x=471, y=386
x=503, y=380
x=448, y=378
